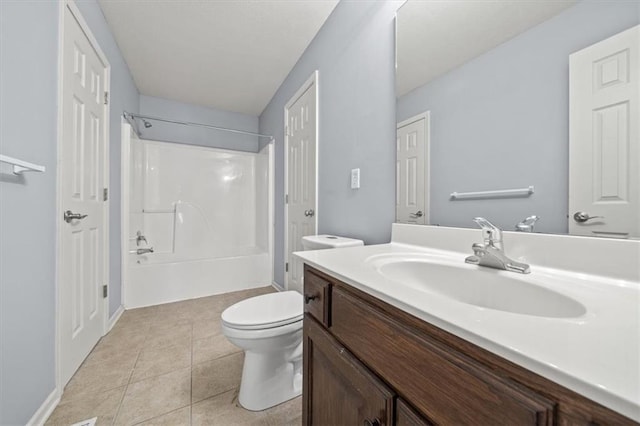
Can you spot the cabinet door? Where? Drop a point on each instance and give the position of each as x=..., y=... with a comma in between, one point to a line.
x=338, y=389
x=445, y=385
x=406, y=416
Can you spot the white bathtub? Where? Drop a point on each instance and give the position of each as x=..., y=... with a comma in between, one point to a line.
x=204, y=212
x=162, y=278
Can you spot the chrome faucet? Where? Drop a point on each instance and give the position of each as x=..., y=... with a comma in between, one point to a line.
x=527, y=224
x=491, y=253
x=141, y=251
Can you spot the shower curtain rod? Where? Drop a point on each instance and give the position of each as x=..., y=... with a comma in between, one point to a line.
x=128, y=115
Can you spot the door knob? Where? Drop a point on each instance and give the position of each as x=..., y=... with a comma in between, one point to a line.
x=69, y=216
x=309, y=213
x=416, y=214
x=582, y=217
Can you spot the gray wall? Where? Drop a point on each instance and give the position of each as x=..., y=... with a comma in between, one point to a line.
x=28, y=129
x=28, y=84
x=354, y=53
x=123, y=97
x=165, y=108
x=502, y=120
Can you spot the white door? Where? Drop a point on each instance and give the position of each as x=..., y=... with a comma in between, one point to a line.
x=82, y=179
x=604, y=169
x=412, y=175
x=301, y=178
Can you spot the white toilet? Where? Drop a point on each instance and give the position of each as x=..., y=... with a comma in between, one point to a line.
x=269, y=330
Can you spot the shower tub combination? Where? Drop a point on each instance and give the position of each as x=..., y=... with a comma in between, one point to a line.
x=205, y=213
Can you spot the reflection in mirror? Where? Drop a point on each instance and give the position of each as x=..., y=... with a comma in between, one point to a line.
x=512, y=109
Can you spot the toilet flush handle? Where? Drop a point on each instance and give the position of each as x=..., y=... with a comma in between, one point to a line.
x=309, y=297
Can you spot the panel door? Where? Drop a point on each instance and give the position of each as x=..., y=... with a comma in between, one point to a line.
x=301, y=180
x=604, y=171
x=82, y=181
x=339, y=390
x=411, y=182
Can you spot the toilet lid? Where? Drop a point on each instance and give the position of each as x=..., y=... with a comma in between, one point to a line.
x=265, y=311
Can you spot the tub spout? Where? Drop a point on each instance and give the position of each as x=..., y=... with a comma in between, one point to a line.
x=141, y=251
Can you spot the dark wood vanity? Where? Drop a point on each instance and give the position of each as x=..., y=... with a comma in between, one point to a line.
x=369, y=363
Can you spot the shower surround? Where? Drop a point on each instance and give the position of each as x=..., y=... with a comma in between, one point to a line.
x=204, y=211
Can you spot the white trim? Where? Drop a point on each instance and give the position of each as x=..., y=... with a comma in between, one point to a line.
x=426, y=116
x=59, y=202
x=125, y=188
x=42, y=414
x=276, y=286
x=311, y=81
x=271, y=208
x=114, y=319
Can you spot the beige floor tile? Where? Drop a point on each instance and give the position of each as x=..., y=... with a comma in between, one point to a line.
x=158, y=342
x=212, y=347
x=286, y=414
x=155, y=362
x=122, y=339
x=139, y=316
x=224, y=410
x=155, y=396
x=181, y=417
x=214, y=377
x=207, y=328
x=99, y=375
x=162, y=337
x=102, y=405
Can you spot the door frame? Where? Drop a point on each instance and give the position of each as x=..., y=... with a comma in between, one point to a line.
x=426, y=116
x=311, y=81
x=75, y=11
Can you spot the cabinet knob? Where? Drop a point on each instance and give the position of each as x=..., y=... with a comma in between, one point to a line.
x=374, y=422
x=309, y=297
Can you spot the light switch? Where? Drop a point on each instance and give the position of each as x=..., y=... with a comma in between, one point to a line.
x=355, y=178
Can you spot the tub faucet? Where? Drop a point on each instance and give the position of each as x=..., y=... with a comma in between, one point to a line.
x=491, y=253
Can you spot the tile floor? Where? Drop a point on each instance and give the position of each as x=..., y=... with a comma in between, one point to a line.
x=167, y=365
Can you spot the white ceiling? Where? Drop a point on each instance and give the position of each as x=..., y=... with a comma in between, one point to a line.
x=230, y=55
x=436, y=36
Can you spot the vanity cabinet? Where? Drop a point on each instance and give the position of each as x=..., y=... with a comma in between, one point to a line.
x=369, y=363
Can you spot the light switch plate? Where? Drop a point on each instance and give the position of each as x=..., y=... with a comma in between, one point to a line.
x=355, y=178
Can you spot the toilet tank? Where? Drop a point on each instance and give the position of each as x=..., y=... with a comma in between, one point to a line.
x=319, y=242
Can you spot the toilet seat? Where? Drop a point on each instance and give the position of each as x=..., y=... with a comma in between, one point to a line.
x=265, y=311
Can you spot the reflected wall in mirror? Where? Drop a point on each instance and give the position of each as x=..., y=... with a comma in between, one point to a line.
x=538, y=97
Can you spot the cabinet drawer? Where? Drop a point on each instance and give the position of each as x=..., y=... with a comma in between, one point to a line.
x=316, y=297
x=446, y=386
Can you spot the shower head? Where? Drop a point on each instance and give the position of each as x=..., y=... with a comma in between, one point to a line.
x=146, y=124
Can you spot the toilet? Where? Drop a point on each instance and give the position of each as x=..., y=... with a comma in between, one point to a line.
x=269, y=330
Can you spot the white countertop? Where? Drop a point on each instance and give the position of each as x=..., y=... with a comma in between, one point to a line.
x=596, y=355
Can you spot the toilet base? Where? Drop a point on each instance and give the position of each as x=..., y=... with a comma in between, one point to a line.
x=269, y=379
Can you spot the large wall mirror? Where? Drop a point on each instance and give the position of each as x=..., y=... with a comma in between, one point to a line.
x=509, y=109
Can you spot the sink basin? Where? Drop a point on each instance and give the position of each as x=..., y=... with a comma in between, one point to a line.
x=479, y=286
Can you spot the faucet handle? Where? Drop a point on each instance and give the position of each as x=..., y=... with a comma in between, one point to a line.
x=491, y=234
x=526, y=225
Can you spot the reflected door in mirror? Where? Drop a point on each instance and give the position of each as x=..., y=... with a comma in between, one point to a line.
x=604, y=172
x=412, y=184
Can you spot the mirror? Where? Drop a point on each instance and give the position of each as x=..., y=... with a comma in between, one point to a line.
x=520, y=109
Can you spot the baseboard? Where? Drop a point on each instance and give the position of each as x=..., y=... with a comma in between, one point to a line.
x=114, y=319
x=45, y=409
x=277, y=286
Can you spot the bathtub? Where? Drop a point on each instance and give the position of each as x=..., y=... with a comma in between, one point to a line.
x=164, y=277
